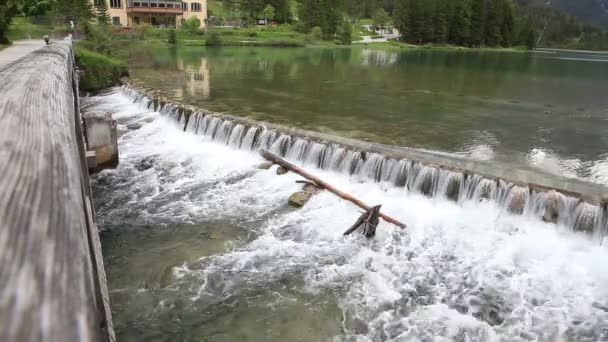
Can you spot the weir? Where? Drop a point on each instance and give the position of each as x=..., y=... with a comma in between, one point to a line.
x=52, y=277
x=572, y=203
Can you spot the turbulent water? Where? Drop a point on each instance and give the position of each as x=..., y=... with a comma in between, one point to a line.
x=201, y=245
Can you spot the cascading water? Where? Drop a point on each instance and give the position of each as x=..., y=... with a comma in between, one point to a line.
x=429, y=180
x=466, y=269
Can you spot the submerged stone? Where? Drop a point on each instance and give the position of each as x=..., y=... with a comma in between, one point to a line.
x=134, y=126
x=281, y=170
x=265, y=166
x=298, y=199
x=313, y=189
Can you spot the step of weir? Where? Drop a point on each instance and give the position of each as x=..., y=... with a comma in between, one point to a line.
x=574, y=203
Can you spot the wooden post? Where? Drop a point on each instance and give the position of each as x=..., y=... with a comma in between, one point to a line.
x=320, y=183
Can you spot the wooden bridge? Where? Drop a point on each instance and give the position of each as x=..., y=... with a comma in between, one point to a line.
x=52, y=279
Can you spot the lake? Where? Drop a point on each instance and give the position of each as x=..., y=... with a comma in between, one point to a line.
x=547, y=110
x=200, y=244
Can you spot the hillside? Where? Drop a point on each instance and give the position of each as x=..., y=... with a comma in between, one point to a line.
x=593, y=11
x=590, y=11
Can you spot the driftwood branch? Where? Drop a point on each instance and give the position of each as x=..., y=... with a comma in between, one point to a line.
x=320, y=183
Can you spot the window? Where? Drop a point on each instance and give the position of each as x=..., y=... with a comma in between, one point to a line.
x=161, y=4
x=184, y=6
x=137, y=4
x=153, y=4
x=195, y=7
x=116, y=21
x=115, y=3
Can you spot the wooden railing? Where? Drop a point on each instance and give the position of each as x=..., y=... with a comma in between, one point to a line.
x=52, y=280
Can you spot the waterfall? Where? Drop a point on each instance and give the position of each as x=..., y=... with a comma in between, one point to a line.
x=430, y=180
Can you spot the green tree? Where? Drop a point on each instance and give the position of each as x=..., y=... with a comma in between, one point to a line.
x=460, y=23
x=345, y=33
x=8, y=10
x=477, y=23
x=102, y=14
x=493, y=21
x=172, y=37
x=527, y=34
x=269, y=13
x=323, y=13
x=316, y=33
x=507, y=26
x=401, y=18
x=381, y=20
x=191, y=24
x=442, y=21
x=78, y=11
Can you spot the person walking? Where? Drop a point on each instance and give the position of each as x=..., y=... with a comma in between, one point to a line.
x=46, y=39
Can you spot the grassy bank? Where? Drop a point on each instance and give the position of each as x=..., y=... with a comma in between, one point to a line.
x=98, y=71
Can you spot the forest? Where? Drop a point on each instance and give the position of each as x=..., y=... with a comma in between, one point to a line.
x=471, y=23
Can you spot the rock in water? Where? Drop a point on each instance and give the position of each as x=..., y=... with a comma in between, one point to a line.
x=281, y=170
x=134, y=126
x=300, y=198
x=264, y=166
x=309, y=187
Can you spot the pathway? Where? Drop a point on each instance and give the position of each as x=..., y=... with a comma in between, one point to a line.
x=19, y=49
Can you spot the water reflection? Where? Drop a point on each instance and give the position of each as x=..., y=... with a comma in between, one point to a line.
x=522, y=102
x=197, y=79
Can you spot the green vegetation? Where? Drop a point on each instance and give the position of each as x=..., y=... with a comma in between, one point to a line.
x=214, y=39
x=172, y=37
x=102, y=14
x=99, y=71
x=35, y=28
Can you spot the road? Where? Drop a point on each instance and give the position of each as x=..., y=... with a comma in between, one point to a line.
x=19, y=49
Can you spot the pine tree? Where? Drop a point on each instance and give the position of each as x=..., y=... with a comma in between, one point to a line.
x=477, y=23
x=401, y=18
x=102, y=13
x=492, y=24
x=441, y=29
x=527, y=35
x=507, y=27
x=460, y=26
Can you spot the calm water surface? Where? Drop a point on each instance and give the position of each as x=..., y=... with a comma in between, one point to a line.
x=547, y=110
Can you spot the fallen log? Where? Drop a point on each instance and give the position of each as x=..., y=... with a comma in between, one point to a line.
x=320, y=183
x=369, y=221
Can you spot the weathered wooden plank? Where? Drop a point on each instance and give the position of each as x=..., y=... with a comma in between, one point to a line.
x=50, y=264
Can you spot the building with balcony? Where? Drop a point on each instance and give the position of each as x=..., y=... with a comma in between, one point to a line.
x=160, y=13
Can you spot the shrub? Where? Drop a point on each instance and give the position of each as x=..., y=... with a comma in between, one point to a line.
x=99, y=71
x=191, y=24
x=345, y=33
x=301, y=28
x=214, y=39
x=316, y=33
x=172, y=37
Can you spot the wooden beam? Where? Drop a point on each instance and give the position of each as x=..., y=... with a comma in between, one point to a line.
x=324, y=185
